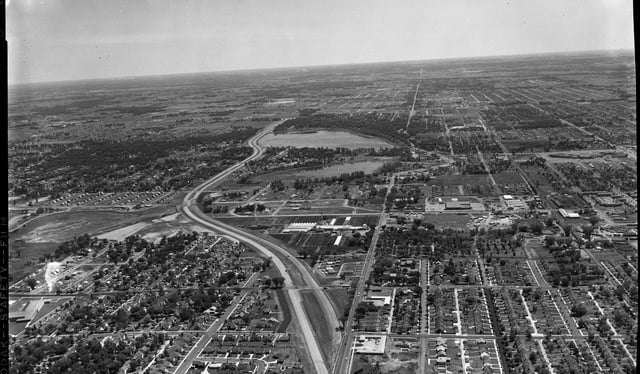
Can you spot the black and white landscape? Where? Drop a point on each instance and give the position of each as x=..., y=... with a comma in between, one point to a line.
x=443, y=214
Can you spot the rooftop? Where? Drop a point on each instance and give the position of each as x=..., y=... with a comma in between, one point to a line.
x=370, y=344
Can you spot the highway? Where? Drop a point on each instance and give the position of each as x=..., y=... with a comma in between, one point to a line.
x=210, y=183
x=190, y=209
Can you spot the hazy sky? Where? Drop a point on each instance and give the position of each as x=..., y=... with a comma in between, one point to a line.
x=52, y=40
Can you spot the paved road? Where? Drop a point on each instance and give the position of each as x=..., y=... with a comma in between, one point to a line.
x=413, y=106
x=186, y=362
x=488, y=170
x=270, y=250
x=190, y=209
x=341, y=363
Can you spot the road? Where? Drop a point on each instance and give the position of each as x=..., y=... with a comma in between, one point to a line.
x=190, y=198
x=486, y=167
x=341, y=362
x=195, y=351
x=413, y=106
x=190, y=209
x=424, y=318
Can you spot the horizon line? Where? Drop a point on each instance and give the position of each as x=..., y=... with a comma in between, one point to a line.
x=127, y=77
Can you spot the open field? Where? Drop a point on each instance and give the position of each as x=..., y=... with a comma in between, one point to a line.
x=286, y=311
x=444, y=220
x=340, y=297
x=454, y=180
x=65, y=225
x=319, y=324
x=42, y=235
x=330, y=139
x=367, y=166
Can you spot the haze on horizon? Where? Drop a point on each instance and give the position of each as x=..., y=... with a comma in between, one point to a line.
x=72, y=39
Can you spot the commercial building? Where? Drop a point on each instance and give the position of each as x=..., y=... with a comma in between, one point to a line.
x=370, y=344
x=566, y=214
x=341, y=227
x=299, y=227
x=457, y=205
x=25, y=311
x=515, y=204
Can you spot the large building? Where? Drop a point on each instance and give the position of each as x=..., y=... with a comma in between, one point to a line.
x=370, y=344
x=457, y=205
x=566, y=214
x=25, y=310
x=513, y=203
x=299, y=227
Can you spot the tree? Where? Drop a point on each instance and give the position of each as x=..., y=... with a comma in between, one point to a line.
x=566, y=229
x=578, y=310
x=536, y=228
x=619, y=291
x=549, y=241
x=549, y=222
x=587, y=231
x=277, y=282
x=185, y=314
x=31, y=282
x=594, y=220
x=266, y=263
x=122, y=316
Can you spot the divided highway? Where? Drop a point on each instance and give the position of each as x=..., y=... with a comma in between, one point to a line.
x=190, y=209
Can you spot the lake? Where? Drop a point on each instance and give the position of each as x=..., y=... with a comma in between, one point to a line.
x=327, y=139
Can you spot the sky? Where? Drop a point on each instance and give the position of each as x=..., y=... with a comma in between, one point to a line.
x=55, y=40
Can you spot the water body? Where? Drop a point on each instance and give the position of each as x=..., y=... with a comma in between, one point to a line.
x=327, y=139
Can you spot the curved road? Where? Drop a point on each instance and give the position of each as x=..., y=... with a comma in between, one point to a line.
x=190, y=209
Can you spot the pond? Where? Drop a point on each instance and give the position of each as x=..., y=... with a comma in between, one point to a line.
x=327, y=139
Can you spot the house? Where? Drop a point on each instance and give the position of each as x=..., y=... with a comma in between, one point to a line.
x=443, y=361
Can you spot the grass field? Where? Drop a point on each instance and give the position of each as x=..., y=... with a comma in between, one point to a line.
x=319, y=324
x=63, y=226
x=275, y=221
x=508, y=177
x=286, y=311
x=340, y=297
x=42, y=235
x=454, y=180
x=455, y=221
